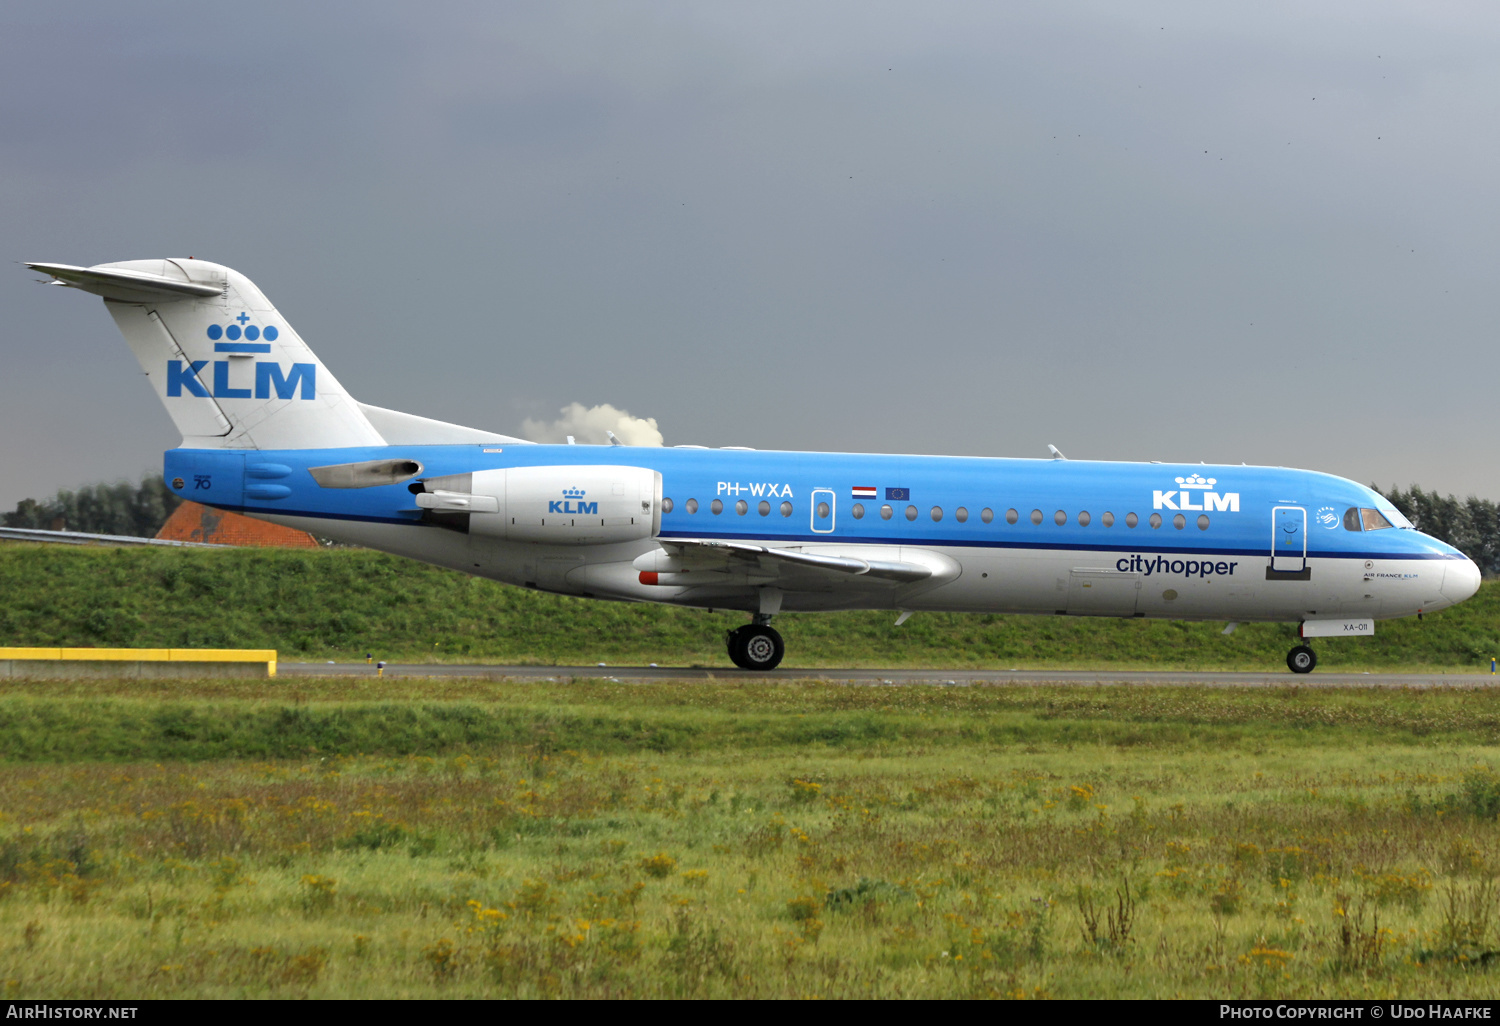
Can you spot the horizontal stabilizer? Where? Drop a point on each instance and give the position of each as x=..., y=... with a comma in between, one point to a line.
x=126, y=286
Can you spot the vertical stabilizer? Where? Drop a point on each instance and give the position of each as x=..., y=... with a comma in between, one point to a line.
x=230, y=370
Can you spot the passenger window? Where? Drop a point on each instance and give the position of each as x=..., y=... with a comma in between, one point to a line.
x=1084, y=519
x=885, y=512
x=692, y=505
x=857, y=511
x=1351, y=519
x=764, y=509
x=911, y=512
x=1131, y=520
x=1011, y=516
x=961, y=515
x=823, y=511
x=716, y=507
x=786, y=509
x=1059, y=518
x=1036, y=516
x=937, y=513
x=1373, y=519
x=742, y=507
x=1108, y=520
x=666, y=505
x=1179, y=521
x=987, y=515
x=1203, y=521
x=1155, y=520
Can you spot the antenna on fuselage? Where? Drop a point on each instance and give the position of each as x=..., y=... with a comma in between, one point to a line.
x=570, y=440
x=612, y=439
x=1056, y=452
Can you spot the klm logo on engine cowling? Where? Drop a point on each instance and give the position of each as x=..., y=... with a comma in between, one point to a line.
x=572, y=502
x=300, y=382
x=1193, y=487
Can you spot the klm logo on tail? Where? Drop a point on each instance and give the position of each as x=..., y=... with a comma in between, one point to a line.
x=300, y=383
x=569, y=505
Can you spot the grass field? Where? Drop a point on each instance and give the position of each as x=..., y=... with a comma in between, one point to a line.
x=340, y=604
x=464, y=838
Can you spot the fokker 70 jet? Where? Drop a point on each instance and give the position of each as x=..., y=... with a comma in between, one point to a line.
x=268, y=431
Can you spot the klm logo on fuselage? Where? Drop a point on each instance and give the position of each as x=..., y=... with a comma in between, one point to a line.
x=301, y=382
x=571, y=502
x=1192, y=487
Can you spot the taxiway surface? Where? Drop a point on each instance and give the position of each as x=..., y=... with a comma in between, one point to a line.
x=1273, y=678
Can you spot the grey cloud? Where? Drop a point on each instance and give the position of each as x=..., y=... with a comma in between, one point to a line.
x=967, y=228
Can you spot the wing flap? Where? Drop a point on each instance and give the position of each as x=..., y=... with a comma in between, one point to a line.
x=679, y=555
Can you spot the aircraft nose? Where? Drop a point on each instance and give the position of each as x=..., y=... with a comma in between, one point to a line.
x=1460, y=580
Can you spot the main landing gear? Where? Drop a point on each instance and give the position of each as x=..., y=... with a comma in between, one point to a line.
x=1301, y=659
x=756, y=646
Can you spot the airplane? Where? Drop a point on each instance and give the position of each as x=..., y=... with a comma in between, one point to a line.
x=268, y=431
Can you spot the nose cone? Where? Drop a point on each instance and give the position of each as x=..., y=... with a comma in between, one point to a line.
x=1460, y=580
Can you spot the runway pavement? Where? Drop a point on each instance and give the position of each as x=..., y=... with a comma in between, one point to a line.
x=662, y=674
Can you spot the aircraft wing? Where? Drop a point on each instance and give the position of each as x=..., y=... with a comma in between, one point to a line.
x=702, y=561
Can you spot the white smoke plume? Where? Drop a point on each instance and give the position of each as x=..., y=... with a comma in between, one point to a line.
x=589, y=424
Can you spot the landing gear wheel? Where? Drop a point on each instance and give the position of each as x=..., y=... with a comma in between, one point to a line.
x=1301, y=659
x=735, y=641
x=756, y=647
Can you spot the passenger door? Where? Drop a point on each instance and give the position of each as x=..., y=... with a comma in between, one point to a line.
x=1288, y=539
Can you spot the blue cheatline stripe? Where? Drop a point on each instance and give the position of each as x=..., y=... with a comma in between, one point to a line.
x=1120, y=547
x=241, y=347
x=824, y=539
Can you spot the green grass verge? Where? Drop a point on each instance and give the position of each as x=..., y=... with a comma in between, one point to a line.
x=387, y=839
x=332, y=717
x=341, y=604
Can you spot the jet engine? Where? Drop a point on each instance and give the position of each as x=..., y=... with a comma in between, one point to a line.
x=590, y=505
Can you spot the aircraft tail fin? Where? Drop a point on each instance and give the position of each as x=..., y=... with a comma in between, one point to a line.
x=232, y=373
x=409, y=429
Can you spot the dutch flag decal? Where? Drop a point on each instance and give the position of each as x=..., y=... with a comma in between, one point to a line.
x=865, y=493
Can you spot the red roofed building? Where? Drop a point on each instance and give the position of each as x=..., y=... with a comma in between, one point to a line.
x=192, y=522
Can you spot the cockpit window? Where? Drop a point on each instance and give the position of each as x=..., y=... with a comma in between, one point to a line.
x=1373, y=520
x=1351, y=519
x=1394, y=516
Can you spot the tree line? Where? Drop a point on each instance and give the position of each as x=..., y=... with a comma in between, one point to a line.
x=1470, y=525
x=119, y=508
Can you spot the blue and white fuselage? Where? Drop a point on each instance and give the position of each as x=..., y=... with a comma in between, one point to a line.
x=269, y=432
x=999, y=535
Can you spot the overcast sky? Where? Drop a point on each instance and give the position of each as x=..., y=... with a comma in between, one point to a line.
x=1263, y=233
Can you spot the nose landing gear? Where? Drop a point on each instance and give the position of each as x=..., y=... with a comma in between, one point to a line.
x=1301, y=659
x=756, y=646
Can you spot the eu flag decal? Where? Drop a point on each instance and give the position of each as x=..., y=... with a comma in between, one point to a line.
x=898, y=495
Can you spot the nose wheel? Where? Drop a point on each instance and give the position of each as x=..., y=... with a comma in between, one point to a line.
x=1301, y=659
x=755, y=646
